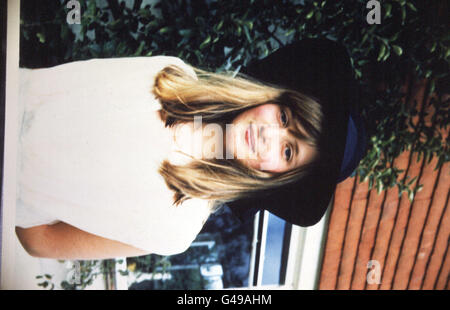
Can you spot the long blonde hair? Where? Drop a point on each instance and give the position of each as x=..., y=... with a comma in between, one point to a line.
x=219, y=98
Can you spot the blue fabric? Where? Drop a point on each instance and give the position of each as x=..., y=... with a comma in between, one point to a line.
x=355, y=146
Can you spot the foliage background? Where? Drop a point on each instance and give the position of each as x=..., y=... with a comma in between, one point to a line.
x=412, y=42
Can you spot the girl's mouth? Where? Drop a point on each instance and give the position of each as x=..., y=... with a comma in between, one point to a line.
x=250, y=137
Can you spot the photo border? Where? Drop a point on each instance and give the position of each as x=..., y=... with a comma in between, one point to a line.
x=10, y=53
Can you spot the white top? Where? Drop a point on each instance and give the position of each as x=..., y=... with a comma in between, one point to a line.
x=90, y=147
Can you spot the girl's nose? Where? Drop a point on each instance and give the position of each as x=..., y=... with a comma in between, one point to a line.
x=269, y=131
x=261, y=133
x=268, y=136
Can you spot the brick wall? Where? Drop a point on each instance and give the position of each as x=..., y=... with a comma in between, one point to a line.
x=409, y=240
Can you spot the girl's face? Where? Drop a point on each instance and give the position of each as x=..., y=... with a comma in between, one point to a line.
x=263, y=138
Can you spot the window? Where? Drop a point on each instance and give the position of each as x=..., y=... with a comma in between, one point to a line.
x=264, y=253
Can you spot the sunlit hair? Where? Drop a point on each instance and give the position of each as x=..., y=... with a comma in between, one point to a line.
x=218, y=98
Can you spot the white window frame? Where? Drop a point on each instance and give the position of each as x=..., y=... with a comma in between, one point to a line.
x=303, y=267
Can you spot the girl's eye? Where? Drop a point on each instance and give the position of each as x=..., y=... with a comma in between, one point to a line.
x=284, y=118
x=287, y=153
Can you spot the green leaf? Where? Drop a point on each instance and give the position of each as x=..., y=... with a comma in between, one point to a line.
x=447, y=53
x=411, y=181
x=218, y=26
x=41, y=37
x=388, y=53
x=247, y=34
x=379, y=186
x=144, y=13
x=429, y=156
x=411, y=196
x=205, y=42
x=432, y=87
x=164, y=30
x=153, y=23
x=239, y=30
x=364, y=39
x=310, y=14
x=397, y=49
x=362, y=62
x=384, y=40
x=249, y=24
x=411, y=6
x=388, y=8
x=185, y=32
x=382, y=52
x=92, y=7
x=289, y=32
x=441, y=160
x=433, y=47
x=403, y=15
x=115, y=24
x=394, y=37
x=121, y=48
x=140, y=48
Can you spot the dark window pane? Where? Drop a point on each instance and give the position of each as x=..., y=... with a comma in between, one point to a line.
x=273, y=251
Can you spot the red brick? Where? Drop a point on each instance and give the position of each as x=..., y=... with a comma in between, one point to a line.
x=443, y=276
x=430, y=230
x=438, y=253
x=335, y=234
x=410, y=241
x=352, y=236
x=367, y=241
x=410, y=244
x=399, y=230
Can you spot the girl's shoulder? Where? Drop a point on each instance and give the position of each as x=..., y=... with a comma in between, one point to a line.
x=113, y=65
x=140, y=62
x=160, y=60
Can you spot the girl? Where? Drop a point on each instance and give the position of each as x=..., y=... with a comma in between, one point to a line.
x=129, y=156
